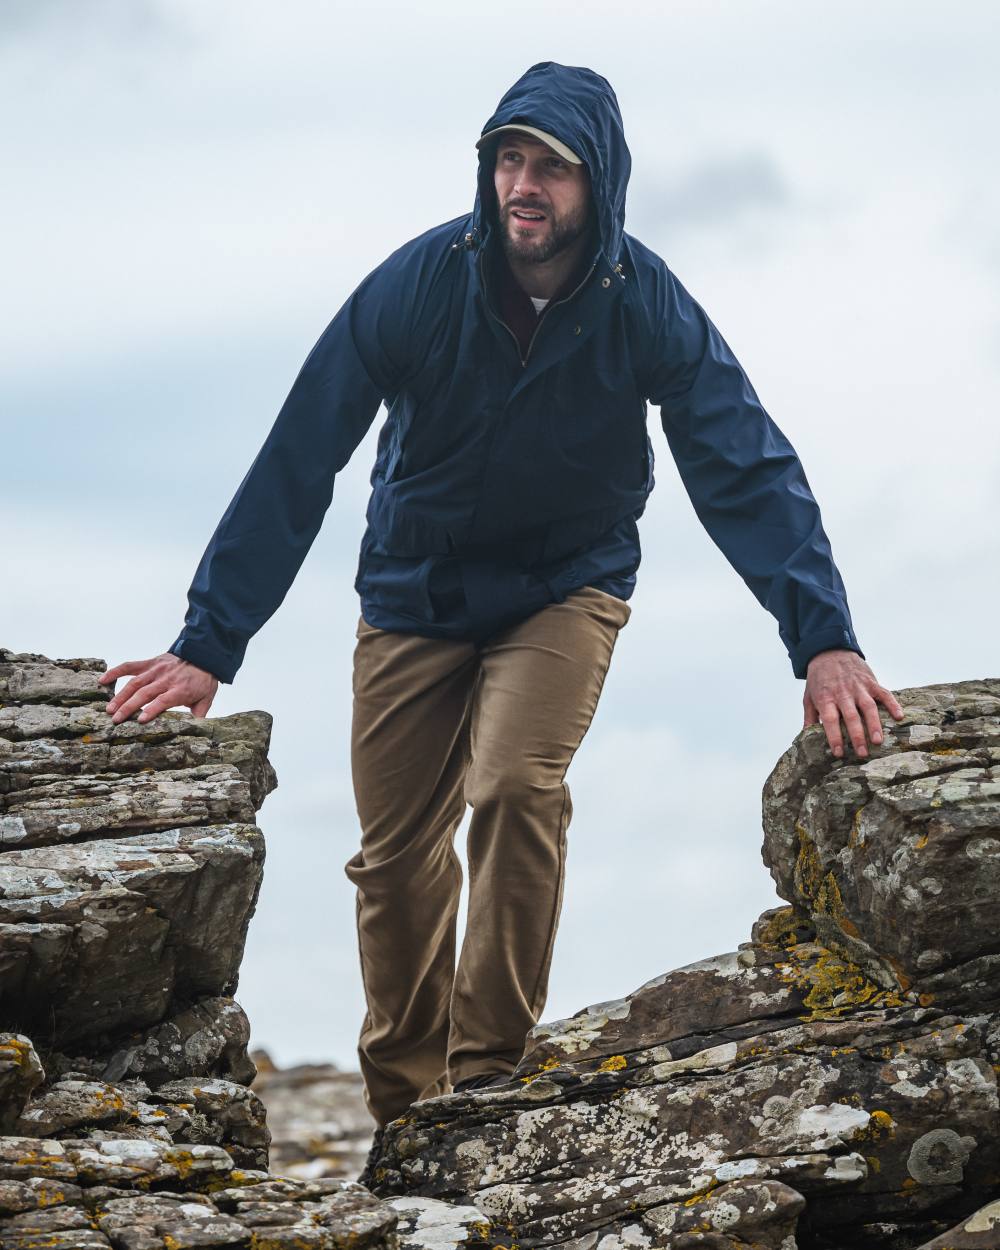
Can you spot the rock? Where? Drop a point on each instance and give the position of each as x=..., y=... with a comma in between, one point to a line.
x=223, y=1112
x=424, y=1221
x=818, y=1076
x=129, y=869
x=152, y=1221
x=68, y=1103
x=36, y=1192
x=209, y=1038
x=979, y=1231
x=319, y=1123
x=830, y=1085
x=115, y=934
x=20, y=1072
x=896, y=860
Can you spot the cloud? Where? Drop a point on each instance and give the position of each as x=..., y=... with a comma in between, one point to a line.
x=64, y=20
x=718, y=191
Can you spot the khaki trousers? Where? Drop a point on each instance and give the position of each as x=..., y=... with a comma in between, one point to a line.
x=437, y=725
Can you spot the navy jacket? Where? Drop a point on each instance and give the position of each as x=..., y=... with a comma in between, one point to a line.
x=502, y=482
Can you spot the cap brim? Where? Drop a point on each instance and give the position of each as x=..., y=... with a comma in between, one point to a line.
x=555, y=144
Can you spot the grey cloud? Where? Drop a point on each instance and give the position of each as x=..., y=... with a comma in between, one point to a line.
x=54, y=19
x=715, y=192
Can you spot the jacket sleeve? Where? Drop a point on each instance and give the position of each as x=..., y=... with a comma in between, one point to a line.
x=276, y=513
x=744, y=478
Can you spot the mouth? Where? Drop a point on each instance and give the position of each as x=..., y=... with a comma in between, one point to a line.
x=527, y=218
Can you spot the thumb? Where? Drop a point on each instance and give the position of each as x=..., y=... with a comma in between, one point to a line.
x=811, y=715
x=201, y=707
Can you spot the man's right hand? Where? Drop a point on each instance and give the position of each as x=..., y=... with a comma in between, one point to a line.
x=164, y=682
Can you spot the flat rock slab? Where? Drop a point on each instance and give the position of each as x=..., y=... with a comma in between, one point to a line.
x=107, y=935
x=845, y=1058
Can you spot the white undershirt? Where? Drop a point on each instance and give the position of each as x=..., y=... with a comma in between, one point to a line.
x=539, y=303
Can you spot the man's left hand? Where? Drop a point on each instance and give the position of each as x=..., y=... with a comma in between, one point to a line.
x=840, y=684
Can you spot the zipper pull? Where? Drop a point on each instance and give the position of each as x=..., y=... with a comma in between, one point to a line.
x=468, y=242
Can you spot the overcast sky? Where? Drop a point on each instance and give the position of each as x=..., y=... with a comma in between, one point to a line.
x=192, y=190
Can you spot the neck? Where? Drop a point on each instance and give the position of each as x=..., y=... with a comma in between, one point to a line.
x=546, y=279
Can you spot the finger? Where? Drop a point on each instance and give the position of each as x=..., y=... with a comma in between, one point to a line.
x=169, y=698
x=145, y=680
x=855, y=728
x=891, y=702
x=127, y=691
x=137, y=701
x=122, y=670
x=829, y=715
x=873, y=723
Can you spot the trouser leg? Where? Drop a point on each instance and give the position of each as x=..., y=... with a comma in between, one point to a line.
x=409, y=754
x=538, y=691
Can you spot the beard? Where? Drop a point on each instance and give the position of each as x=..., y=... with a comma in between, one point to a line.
x=558, y=234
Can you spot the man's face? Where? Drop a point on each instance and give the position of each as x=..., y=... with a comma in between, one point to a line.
x=552, y=194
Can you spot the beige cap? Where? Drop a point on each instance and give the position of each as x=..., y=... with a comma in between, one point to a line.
x=556, y=144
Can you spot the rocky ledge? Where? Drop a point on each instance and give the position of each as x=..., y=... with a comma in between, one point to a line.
x=130, y=864
x=831, y=1085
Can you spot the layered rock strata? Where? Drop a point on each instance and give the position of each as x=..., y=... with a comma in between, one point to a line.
x=130, y=865
x=831, y=1084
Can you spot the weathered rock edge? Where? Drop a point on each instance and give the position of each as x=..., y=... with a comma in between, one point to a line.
x=831, y=1057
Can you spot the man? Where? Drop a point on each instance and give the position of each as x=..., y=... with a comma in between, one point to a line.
x=516, y=349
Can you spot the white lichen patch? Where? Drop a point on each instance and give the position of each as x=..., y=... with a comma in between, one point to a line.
x=939, y=1157
x=440, y=1225
x=739, y=1169
x=973, y=1075
x=825, y=1125
x=769, y=999
x=983, y=848
x=724, y=1215
x=848, y=1168
x=613, y=1009
x=631, y=1235
x=985, y=1219
x=12, y=829
x=475, y=1151
x=713, y=1057
x=636, y=1103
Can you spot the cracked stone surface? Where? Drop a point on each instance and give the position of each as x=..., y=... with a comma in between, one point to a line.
x=830, y=1085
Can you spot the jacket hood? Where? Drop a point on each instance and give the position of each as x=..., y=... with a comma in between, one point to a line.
x=579, y=107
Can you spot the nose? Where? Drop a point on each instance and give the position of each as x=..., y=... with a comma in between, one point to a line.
x=527, y=182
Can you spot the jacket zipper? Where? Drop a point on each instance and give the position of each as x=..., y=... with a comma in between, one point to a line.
x=531, y=341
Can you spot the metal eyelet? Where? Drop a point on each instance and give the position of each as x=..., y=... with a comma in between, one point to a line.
x=605, y=282
x=578, y=329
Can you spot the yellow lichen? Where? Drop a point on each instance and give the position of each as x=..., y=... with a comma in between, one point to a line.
x=614, y=1063
x=831, y=986
x=880, y=1124
x=551, y=1062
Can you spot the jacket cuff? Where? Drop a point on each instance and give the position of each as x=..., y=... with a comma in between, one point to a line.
x=836, y=638
x=201, y=657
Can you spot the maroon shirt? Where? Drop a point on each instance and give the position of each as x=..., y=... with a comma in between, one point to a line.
x=514, y=304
